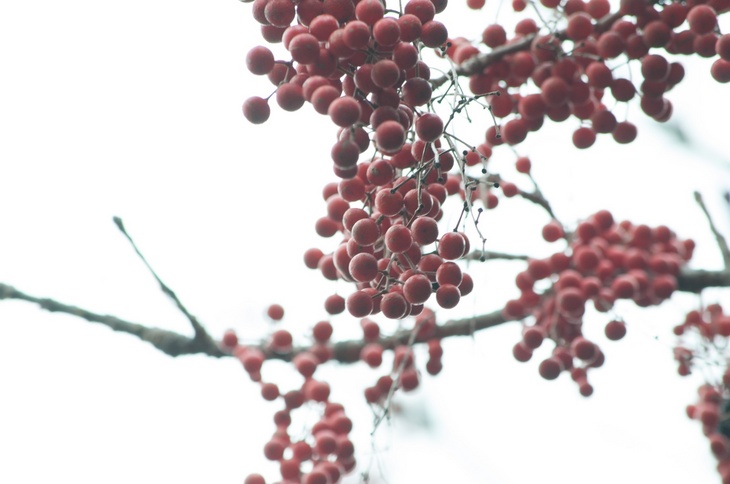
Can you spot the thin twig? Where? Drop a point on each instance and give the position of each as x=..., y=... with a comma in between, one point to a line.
x=200, y=332
x=721, y=242
x=396, y=381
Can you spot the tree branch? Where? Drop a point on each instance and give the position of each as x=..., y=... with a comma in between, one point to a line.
x=176, y=344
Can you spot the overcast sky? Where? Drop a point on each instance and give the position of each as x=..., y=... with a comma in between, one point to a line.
x=133, y=109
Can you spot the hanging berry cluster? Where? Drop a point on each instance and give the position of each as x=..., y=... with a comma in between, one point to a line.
x=604, y=262
x=702, y=345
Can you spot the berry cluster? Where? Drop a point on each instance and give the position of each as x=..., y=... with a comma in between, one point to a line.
x=325, y=452
x=384, y=249
x=574, y=68
x=703, y=337
x=404, y=374
x=711, y=410
x=605, y=262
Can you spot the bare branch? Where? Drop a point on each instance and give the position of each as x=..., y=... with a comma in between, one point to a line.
x=200, y=332
x=721, y=242
x=169, y=342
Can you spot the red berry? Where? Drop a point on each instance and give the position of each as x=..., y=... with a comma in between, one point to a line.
x=702, y=19
x=720, y=70
x=275, y=312
x=359, y=304
x=429, y=127
x=254, y=479
x=423, y=9
x=625, y=132
x=550, y=368
x=447, y=296
x=494, y=35
x=579, y=26
x=334, y=304
x=552, y=231
x=523, y=165
x=279, y=13
x=281, y=340
x=583, y=349
x=230, y=340
x=372, y=354
x=584, y=137
x=722, y=47
x=417, y=289
x=260, y=60
x=452, y=245
x=394, y=306
x=533, y=337
x=256, y=110
x=521, y=352
x=290, y=97
x=615, y=330
x=424, y=230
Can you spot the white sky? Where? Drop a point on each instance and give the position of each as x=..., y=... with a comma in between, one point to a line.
x=133, y=109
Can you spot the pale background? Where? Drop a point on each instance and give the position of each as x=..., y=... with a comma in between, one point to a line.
x=133, y=109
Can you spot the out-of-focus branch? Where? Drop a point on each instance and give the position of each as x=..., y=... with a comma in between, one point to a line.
x=200, y=333
x=537, y=198
x=695, y=280
x=492, y=255
x=721, y=242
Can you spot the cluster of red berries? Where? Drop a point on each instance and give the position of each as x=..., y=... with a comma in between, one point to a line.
x=404, y=374
x=385, y=246
x=326, y=452
x=605, y=262
x=711, y=410
x=352, y=48
x=575, y=67
x=703, y=339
